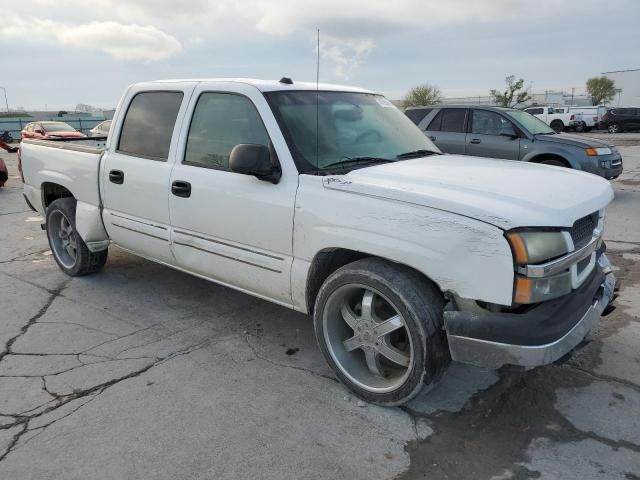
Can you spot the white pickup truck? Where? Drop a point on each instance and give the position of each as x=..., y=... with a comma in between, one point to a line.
x=330, y=201
x=557, y=119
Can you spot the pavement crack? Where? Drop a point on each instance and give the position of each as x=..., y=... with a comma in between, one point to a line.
x=284, y=365
x=603, y=377
x=53, y=295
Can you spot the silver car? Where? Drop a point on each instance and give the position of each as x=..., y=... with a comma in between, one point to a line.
x=511, y=134
x=101, y=130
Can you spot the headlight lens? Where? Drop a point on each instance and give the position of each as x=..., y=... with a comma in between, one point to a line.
x=530, y=247
x=534, y=290
x=595, y=151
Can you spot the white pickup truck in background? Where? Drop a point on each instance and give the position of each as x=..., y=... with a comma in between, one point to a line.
x=559, y=120
x=330, y=201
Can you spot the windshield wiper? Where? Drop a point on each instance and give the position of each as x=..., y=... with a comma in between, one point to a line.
x=546, y=133
x=418, y=153
x=348, y=161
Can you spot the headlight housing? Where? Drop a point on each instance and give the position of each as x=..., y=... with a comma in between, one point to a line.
x=595, y=151
x=531, y=247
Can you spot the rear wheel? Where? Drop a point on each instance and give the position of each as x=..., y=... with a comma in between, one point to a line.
x=614, y=128
x=557, y=126
x=69, y=250
x=379, y=326
x=581, y=127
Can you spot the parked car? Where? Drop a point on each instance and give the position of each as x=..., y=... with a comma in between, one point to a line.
x=329, y=201
x=588, y=117
x=515, y=135
x=50, y=130
x=620, y=119
x=557, y=119
x=101, y=130
x=5, y=137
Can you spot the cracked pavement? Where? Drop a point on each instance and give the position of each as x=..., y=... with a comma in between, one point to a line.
x=145, y=372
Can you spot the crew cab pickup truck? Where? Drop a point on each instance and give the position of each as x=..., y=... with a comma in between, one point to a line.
x=330, y=201
x=558, y=120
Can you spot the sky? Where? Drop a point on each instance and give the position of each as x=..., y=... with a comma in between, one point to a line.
x=59, y=53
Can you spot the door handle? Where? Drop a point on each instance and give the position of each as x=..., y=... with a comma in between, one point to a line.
x=181, y=189
x=116, y=176
x=476, y=140
x=432, y=138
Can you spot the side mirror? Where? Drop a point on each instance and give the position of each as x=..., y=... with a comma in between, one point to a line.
x=256, y=160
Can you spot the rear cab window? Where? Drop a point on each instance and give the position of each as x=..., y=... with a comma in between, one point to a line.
x=449, y=120
x=148, y=125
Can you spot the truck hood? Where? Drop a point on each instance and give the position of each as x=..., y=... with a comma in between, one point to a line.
x=573, y=140
x=504, y=193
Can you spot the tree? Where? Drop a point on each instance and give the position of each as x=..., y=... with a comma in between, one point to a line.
x=514, y=95
x=422, y=95
x=601, y=90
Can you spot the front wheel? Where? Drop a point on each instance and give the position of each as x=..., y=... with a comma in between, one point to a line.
x=68, y=249
x=379, y=326
x=614, y=128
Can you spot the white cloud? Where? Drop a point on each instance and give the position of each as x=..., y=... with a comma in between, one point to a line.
x=122, y=42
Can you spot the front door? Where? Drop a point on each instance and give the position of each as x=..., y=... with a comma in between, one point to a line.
x=492, y=135
x=229, y=227
x=136, y=171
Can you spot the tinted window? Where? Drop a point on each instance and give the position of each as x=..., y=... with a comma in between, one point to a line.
x=435, y=124
x=148, y=124
x=453, y=120
x=220, y=122
x=485, y=122
x=535, y=111
x=417, y=114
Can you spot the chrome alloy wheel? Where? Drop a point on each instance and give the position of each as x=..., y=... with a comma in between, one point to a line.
x=367, y=338
x=62, y=236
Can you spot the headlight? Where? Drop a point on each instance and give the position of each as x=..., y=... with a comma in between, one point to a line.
x=595, y=151
x=535, y=290
x=530, y=247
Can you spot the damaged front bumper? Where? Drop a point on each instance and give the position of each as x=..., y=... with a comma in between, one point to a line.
x=539, y=336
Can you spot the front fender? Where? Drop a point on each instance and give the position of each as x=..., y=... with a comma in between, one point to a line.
x=461, y=255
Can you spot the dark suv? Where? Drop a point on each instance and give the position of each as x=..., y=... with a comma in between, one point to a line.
x=513, y=135
x=620, y=119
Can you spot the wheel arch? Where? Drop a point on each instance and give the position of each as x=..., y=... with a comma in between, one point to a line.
x=551, y=156
x=51, y=191
x=328, y=260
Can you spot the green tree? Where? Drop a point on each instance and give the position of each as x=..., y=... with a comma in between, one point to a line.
x=601, y=90
x=514, y=94
x=422, y=95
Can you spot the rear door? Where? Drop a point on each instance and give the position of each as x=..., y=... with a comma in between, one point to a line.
x=492, y=135
x=232, y=228
x=447, y=130
x=136, y=170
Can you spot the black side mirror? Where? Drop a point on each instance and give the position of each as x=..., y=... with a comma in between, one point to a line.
x=256, y=160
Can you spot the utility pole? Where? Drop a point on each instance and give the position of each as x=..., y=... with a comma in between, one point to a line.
x=573, y=90
x=5, y=98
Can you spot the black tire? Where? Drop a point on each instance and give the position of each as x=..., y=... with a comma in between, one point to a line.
x=581, y=127
x=420, y=304
x=84, y=262
x=557, y=126
x=553, y=161
x=614, y=128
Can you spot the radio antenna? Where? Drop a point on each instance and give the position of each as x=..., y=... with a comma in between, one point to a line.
x=318, y=103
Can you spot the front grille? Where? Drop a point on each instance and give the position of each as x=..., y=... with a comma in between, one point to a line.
x=582, y=230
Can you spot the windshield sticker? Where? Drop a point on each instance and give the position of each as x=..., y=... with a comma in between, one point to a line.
x=383, y=102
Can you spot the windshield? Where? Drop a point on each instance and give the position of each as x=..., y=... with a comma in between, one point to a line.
x=57, y=127
x=530, y=123
x=351, y=126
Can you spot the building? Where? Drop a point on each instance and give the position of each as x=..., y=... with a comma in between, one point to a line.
x=628, y=86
